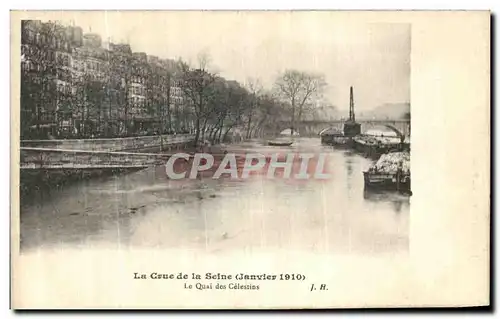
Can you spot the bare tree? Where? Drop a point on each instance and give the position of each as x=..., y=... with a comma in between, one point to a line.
x=238, y=104
x=255, y=88
x=299, y=88
x=196, y=84
x=204, y=60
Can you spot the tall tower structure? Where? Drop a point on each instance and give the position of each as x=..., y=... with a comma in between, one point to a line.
x=351, y=128
x=352, y=116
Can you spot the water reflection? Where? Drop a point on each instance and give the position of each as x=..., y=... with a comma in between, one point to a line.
x=145, y=209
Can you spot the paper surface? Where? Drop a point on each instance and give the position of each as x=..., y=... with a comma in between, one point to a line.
x=434, y=253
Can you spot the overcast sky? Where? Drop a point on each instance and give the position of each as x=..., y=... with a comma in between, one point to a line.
x=374, y=58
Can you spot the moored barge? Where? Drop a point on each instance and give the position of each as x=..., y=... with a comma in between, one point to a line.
x=336, y=138
x=391, y=172
x=387, y=181
x=375, y=146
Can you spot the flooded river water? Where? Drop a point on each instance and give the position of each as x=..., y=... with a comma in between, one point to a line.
x=144, y=209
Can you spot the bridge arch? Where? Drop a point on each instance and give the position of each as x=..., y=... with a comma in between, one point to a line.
x=288, y=131
x=395, y=130
x=316, y=128
x=324, y=130
x=330, y=128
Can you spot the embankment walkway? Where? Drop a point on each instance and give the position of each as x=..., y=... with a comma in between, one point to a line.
x=99, y=153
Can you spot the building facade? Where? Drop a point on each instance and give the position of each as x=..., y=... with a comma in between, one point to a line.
x=91, y=72
x=120, y=57
x=47, y=88
x=71, y=86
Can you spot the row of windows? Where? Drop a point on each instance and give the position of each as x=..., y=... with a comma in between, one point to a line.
x=78, y=66
x=92, y=65
x=86, y=53
x=66, y=76
x=137, y=90
x=137, y=100
x=34, y=53
x=31, y=66
x=46, y=39
x=65, y=60
x=65, y=89
x=36, y=67
x=97, y=76
x=176, y=91
x=95, y=66
x=177, y=100
x=137, y=79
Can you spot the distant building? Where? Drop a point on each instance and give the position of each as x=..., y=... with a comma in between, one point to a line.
x=120, y=57
x=92, y=40
x=137, y=90
x=90, y=71
x=46, y=82
x=76, y=84
x=177, y=103
x=157, y=90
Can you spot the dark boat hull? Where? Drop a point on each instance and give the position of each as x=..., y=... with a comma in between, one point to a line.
x=337, y=141
x=279, y=143
x=387, y=181
x=375, y=150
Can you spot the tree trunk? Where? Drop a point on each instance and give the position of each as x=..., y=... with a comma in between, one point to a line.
x=169, y=116
x=249, y=124
x=84, y=128
x=220, y=130
x=204, y=130
x=299, y=117
x=255, y=132
x=215, y=137
x=197, y=136
x=227, y=132
x=125, y=111
x=38, y=117
x=212, y=134
x=214, y=131
x=177, y=118
x=99, y=120
x=253, y=129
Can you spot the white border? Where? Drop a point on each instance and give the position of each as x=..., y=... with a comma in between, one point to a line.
x=148, y=4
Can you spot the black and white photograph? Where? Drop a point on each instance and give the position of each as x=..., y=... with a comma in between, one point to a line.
x=198, y=135
x=102, y=110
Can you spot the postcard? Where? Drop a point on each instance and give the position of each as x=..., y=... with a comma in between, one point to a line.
x=250, y=159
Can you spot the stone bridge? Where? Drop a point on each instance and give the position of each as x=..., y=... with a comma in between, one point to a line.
x=314, y=128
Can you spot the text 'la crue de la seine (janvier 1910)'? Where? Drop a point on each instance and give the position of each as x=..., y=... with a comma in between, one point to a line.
x=211, y=277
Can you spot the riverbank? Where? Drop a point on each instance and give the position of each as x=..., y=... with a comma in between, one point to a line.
x=144, y=209
x=44, y=180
